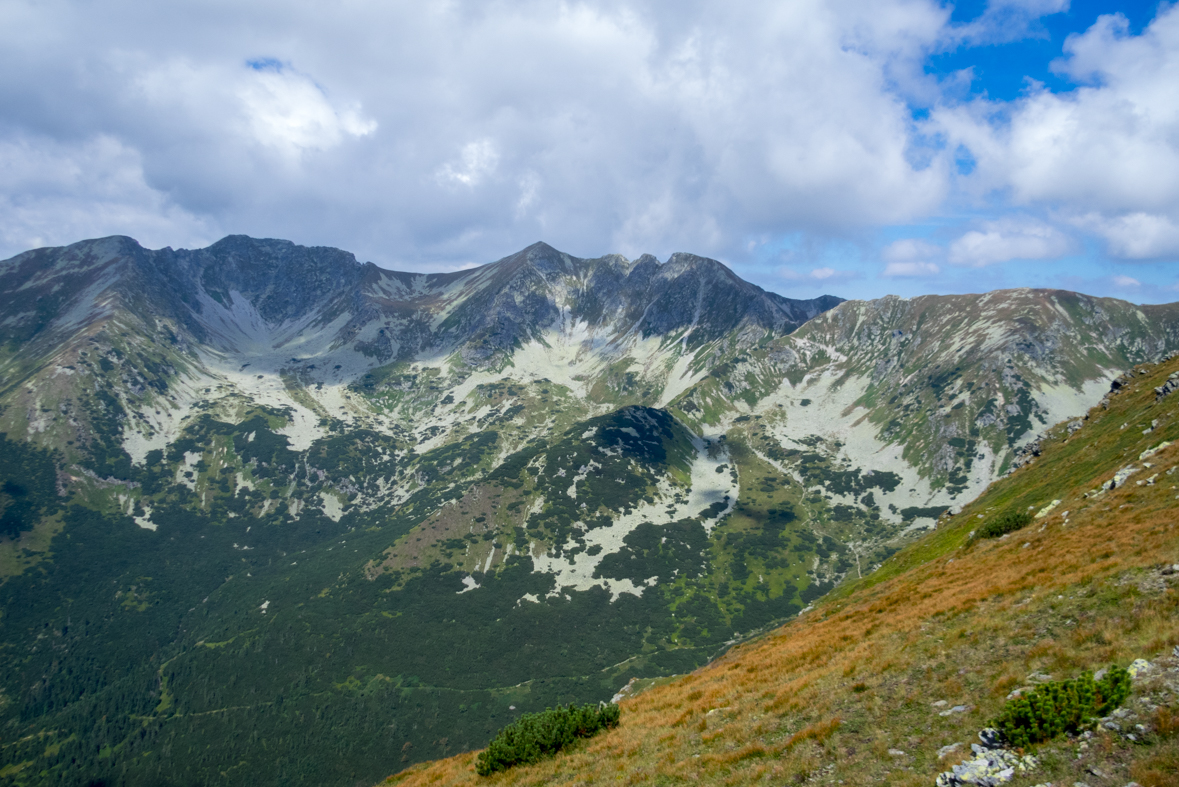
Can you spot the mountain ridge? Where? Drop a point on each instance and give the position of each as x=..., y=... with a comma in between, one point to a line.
x=368, y=515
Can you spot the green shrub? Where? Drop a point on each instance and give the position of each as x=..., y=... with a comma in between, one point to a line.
x=537, y=735
x=1062, y=706
x=1007, y=522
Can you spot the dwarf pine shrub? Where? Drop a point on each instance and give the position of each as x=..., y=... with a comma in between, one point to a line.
x=1062, y=706
x=537, y=735
x=1007, y=522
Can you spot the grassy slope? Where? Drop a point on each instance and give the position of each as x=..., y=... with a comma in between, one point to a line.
x=826, y=697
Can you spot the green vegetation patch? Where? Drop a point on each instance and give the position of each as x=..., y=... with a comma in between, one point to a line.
x=538, y=735
x=1062, y=706
x=28, y=490
x=1007, y=522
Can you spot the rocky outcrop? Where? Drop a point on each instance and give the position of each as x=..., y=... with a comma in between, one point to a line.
x=1167, y=388
x=1026, y=454
x=991, y=765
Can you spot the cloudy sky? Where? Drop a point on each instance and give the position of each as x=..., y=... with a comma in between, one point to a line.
x=856, y=147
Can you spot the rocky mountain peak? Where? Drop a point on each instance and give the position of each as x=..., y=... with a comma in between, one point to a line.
x=681, y=263
x=279, y=278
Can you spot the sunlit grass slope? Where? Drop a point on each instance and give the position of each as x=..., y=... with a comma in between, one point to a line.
x=857, y=690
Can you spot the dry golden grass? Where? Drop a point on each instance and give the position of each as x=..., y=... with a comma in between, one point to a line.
x=837, y=693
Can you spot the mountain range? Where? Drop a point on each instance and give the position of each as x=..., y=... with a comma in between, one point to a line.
x=273, y=515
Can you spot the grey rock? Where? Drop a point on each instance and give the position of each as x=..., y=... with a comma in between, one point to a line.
x=991, y=738
x=991, y=768
x=1120, y=477
x=1026, y=454
x=1138, y=668
x=1167, y=388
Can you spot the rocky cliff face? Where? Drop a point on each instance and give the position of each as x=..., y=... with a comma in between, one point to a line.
x=352, y=494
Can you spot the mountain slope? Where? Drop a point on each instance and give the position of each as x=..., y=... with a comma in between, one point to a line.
x=891, y=678
x=297, y=519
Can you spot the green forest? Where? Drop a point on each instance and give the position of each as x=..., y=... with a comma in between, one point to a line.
x=248, y=639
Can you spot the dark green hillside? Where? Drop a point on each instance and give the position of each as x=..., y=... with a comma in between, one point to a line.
x=249, y=640
x=28, y=487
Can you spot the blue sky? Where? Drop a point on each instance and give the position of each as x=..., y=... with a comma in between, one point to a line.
x=1003, y=69
x=842, y=146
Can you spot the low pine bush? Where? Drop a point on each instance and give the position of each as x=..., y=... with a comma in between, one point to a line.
x=537, y=735
x=1062, y=706
x=1007, y=522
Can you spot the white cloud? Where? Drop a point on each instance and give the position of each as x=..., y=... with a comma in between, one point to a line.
x=911, y=258
x=1136, y=236
x=53, y=194
x=426, y=131
x=288, y=111
x=1105, y=155
x=910, y=269
x=1126, y=281
x=1008, y=239
x=437, y=133
x=261, y=102
x=910, y=249
x=818, y=276
x=476, y=161
x=1007, y=20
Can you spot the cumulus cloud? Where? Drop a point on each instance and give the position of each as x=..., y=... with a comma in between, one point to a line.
x=824, y=276
x=476, y=161
x=1008, y=239
x=911, y=258
x=262, y=102
x=1106, y=154
x=288, y=111
x=53, y=194
x=461, y=130
x=439, y=134
x=1135, y=236
x=1007, y=20
x=911, y=269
